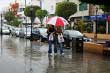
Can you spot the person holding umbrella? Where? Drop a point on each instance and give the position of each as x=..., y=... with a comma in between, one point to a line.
x=60, y=39
x=58, y=22
x=50, y=33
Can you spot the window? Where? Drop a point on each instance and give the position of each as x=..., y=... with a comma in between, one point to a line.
x=82, y=6
x=20, y=9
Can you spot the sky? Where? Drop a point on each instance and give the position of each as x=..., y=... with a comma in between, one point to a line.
x=5, y=3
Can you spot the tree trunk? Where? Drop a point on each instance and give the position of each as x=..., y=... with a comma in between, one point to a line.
x=91, y=9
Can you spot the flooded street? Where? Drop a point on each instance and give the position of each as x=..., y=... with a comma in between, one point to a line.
x=18, y=55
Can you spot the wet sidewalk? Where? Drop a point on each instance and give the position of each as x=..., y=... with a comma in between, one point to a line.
x=23, y=56
x=78, y=63
x=42, y=63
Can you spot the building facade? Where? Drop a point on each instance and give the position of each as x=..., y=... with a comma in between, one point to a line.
x=84, y=11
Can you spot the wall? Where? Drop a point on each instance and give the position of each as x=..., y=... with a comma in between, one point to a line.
x=99, y=36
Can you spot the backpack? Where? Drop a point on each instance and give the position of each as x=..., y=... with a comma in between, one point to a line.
x=51, y=37
x=60, y=38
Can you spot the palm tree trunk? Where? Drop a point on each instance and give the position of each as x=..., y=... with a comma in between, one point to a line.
x=91, y=9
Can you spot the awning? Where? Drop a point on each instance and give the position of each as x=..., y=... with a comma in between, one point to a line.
x=98, y=2
x=94, y=17
x=79, y=14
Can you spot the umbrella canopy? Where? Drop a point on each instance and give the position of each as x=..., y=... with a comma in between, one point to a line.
x=57, y=21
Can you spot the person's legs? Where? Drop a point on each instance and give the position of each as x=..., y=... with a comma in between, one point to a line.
x=55, y=46
x=50, y=47
x=61, y=48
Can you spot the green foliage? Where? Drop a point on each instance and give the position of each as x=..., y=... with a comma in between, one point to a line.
x=11, y=19
x=88, y=29
x=28, y=12
x=41, y=14
x=101, y=30
x=15, y=22
x=68, y=27
x=9, y=16
x=105, y=8
x=65, y=9
x=80, y=25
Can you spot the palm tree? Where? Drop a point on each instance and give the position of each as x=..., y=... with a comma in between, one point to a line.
x=91, y=9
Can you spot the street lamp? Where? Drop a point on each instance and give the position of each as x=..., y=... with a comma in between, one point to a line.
x=1, y=24
x=31, y=17
x=31, y=13
x=95, y=35
x=1, y=31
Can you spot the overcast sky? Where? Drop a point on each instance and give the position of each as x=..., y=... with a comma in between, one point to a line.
x=5, y=3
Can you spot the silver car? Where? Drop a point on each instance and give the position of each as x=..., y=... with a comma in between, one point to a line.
x=25, y=32
x=5, y=30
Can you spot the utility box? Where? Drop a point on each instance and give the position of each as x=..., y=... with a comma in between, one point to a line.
x=77, y=44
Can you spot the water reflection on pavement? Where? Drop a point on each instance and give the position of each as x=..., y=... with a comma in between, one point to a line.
x=22, y=56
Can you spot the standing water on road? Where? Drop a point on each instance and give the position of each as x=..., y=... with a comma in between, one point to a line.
x=22, y=56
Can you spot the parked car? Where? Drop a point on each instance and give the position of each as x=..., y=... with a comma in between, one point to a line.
x=69, y=34
x=15, y=31
x=86, y=39
x=12, y=31
x=5, y=30
x=39, y=34
x=25, y=32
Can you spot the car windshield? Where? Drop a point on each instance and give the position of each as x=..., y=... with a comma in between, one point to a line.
x=74, y=33
x=43, y=31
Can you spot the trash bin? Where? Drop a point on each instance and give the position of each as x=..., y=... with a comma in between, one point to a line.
x=77, y=44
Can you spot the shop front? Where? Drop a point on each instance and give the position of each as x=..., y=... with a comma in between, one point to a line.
x=101, y=21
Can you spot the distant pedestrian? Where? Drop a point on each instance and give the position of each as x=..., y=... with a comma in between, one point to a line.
x=50, y=33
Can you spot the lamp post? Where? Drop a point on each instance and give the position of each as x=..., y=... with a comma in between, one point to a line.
x=95, y=35
x=31, y=17
x=1, y=24
x=1, y=32
x=31, y=12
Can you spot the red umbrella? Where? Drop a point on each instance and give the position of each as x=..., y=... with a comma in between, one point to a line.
x=57, y=21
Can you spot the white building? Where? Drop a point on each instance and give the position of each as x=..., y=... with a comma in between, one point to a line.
x=49, y=5
x=84, y=9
